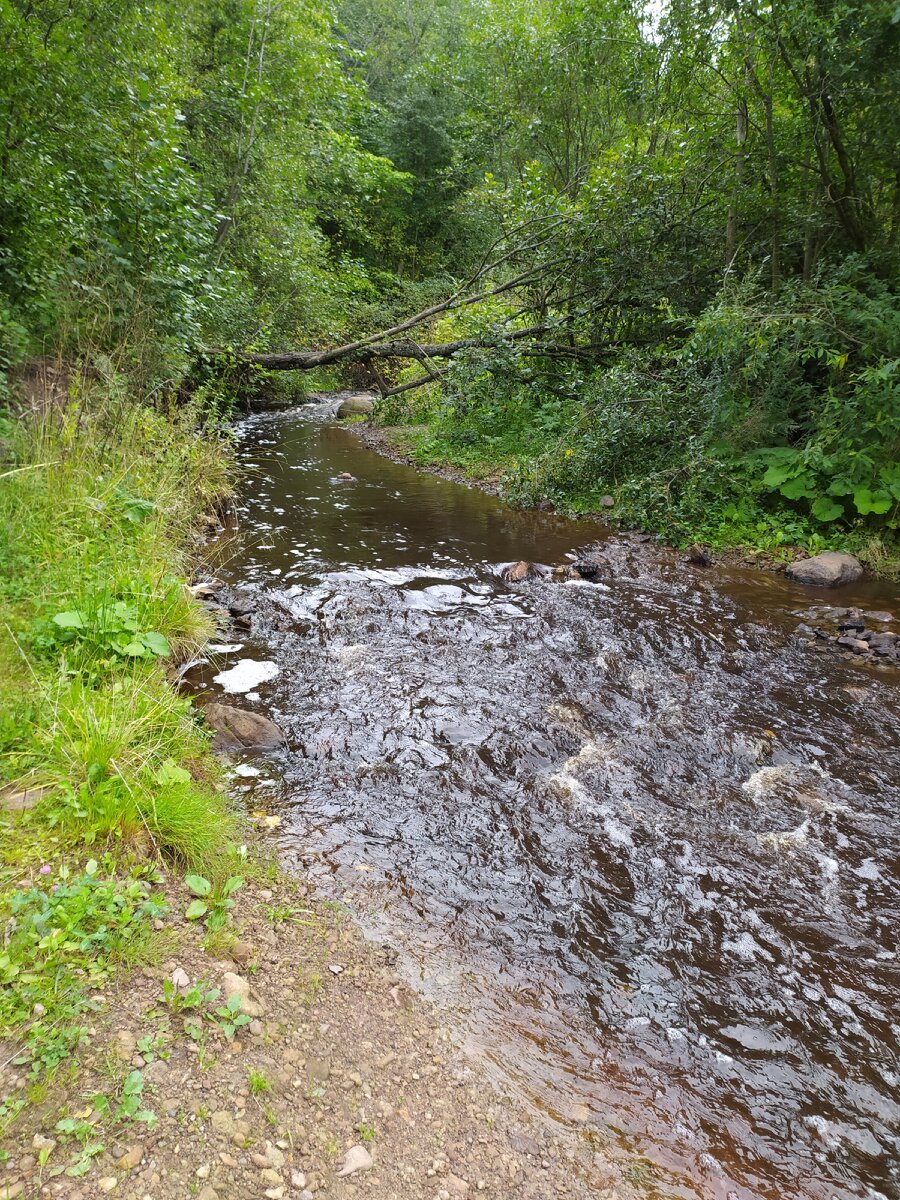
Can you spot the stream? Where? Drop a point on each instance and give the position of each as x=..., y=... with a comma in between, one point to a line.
x=636, y=836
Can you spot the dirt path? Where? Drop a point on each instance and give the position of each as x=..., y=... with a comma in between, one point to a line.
x=339, y=1069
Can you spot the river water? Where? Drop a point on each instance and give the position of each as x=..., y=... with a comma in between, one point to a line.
x=640, y=839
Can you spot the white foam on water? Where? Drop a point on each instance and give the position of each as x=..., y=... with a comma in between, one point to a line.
x=790, y=839
x=245, y=676
x=348, y=655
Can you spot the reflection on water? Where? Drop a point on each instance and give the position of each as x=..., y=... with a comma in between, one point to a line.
x=642, y=834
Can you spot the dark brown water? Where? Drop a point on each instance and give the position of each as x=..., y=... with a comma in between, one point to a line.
x=644, y=839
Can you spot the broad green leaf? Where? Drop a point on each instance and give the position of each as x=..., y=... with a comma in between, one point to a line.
x=795, y=488
x=826, y=509
x=70, y=620
x=134, y=1084
x=776, y=474
x=133, y=649
x=196, y=909
x=890, y=477
x=867, y=501
x=198, y=885
x=156, y=643
x=170, y=773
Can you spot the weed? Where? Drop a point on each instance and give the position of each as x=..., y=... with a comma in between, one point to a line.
x=229, y=1017
x=62, y=941
x=259, y=1082
x=182, y=1000
x=153, y=1046
x=311, y=989
x=211, y=903
x=218, y=942
x=124, y=1107
x=283, y=914
x=367, y=1132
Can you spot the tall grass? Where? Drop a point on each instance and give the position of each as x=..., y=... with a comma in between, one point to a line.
x=99, y=500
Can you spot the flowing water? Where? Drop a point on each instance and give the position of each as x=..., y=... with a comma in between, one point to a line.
x=639, y=836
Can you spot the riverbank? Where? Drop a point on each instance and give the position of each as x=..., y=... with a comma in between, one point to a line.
x=176, y=1016
x=403, y=444
x=330, y=1079
x=769, y=547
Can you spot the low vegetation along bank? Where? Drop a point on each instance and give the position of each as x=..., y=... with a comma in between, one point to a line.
x=773, y=430
x=105, y=769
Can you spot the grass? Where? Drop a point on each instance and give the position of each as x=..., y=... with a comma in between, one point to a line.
x=99, y=499
x=94, y=546
x=258, y=1082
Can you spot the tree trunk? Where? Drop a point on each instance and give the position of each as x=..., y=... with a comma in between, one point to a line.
x=739, y=163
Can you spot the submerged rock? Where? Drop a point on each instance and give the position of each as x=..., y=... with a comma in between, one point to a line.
x=239, y=729
x=355, y=405
x=516, y=572
x=830, y=569
x=587, y=568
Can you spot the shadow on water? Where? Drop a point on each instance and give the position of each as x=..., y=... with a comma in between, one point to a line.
x=644, y=839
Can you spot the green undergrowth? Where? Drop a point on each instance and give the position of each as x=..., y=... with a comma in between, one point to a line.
x=99, y=499
x=772, y=428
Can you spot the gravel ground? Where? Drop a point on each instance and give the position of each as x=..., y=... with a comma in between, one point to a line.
x=342, y=1083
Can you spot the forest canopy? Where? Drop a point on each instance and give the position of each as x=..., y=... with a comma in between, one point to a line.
x=680, y=222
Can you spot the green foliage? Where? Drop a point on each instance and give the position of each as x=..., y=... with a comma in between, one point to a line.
x=84, y=703
x=111, y=632
x=63, y=939
x=124, y=1107
x=258, y=1081
x=768, y=426
x=213, y=903
x=200, y=1002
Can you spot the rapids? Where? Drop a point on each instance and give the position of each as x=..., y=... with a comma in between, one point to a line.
x=641, y=839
